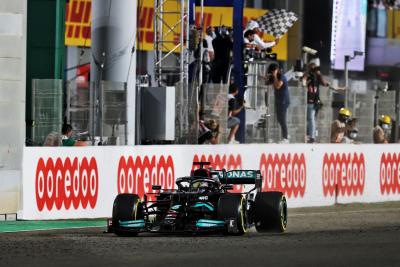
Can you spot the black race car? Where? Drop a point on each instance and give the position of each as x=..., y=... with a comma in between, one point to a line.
x=202, y=203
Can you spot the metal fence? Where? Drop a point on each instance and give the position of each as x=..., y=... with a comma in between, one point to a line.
x=98, y=113
x=362, y=108
x=47, y=108
x=80, y=107
x=324, y=117
x=215, y=106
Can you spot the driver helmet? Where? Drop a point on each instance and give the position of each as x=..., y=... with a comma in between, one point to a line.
x=200, y=186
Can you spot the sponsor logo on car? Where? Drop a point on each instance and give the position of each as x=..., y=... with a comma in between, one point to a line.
x=343, y=174
x=284, y=172
x=390, y=173
x=68, y=183
x=137, y=174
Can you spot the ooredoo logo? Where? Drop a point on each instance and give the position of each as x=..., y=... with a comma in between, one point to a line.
x=390, y=173
x=137, y=175
x=65, y=182
x=284, y=172
x=219, y=162
x=343, y=174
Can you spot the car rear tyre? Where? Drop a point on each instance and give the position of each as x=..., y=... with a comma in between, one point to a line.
x=233, y=206
x=270, y=212
x=127, y=207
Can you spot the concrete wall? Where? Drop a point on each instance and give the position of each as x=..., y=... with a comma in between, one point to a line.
x=12, y=100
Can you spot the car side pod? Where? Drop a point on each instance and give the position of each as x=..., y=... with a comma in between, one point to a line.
x=270, y=212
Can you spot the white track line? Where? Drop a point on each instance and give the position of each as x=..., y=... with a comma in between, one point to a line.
x=50, y=229
x=340, y=212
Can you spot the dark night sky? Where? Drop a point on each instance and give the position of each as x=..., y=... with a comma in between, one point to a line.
x=317, y=27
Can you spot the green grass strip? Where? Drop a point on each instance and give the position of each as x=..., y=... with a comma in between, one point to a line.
x=25, y=226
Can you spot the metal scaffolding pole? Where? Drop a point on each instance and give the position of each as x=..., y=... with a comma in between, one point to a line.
x=171, y=40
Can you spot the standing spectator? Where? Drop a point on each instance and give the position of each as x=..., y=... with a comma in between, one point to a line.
x=248, y=39
x=208, y=54
x=338, y=126
x=253, y=25
x=222, y=55
x=282, y=99
x=313, y=79
x=234, y=107
x=210, y=35
x=381, y=133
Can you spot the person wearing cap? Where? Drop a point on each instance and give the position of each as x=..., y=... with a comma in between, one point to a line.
x=381, y=132
x=312, y=79
x=338, y=126
x=261, y=45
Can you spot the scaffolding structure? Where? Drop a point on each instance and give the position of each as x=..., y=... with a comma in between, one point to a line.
x=171, y=41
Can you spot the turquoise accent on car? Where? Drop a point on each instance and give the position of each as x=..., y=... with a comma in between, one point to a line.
x=132, y=224
x=202, y=204
x=203, y=223
x=175, y=207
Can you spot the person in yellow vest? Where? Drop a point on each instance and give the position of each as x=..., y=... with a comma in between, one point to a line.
x=338, y=126
x=381, y=133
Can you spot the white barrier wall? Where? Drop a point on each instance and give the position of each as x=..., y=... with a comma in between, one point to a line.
x=83, y=182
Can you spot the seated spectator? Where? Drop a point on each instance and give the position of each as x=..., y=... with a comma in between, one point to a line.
x=351, y=132
x=209, y=132
x=381, y=133
x=338, y=126
x=234, y=107
x=52, y=139
x=67, y=139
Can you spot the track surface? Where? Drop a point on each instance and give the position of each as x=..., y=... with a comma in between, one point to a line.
x=345, y=235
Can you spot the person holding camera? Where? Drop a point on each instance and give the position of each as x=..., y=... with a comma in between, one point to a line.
x=282, y=98
x=313, y=79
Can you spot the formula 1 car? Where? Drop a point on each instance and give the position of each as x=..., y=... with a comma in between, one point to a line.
x=201, y=204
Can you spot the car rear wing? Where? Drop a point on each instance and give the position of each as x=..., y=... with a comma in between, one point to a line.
x=239, y=177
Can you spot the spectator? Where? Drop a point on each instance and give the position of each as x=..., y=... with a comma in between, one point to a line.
x=234, y=107
x=313, y=79
x=351, y=132
x=222, y=55
x=338, y=126
x=248, y=39
x=210, y=35
x=208, y=54
x=381, y=133
x=282, y=99
x=253, y=25
x=52, y=139
x=209, y=132
x=67, y=139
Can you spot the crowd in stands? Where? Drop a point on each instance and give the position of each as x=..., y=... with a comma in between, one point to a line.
x=217, y=47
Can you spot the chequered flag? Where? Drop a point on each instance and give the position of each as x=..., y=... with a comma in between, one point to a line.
x=277, y=22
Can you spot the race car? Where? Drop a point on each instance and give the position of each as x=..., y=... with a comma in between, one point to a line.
x=202, y=203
